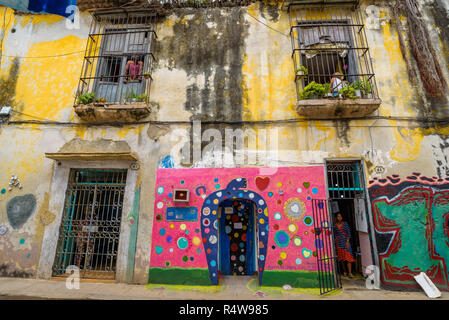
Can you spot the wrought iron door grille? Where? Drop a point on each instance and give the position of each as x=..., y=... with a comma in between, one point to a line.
x=328, y=38
x=90, y=228
x=328, y=276
x=345, y=180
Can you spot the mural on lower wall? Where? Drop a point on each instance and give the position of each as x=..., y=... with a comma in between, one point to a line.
x=411, y=220
x=275, y=233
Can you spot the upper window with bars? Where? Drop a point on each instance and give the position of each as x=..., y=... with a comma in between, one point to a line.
x=330, y=52
x=118, y=61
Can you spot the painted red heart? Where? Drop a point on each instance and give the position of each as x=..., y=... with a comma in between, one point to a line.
x=262, y=183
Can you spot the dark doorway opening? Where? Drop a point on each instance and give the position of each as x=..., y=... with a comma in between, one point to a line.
x=347, y=196
x=237, y=234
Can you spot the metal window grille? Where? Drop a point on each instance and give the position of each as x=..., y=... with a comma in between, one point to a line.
x=90, y=227
x=345, y=180
x=118, y=60
x=328, y=38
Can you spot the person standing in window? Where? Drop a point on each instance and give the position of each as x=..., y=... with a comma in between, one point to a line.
x=336, y=83
x=133, y=70
x=343, y=244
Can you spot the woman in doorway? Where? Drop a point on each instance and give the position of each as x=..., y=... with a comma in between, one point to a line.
x=344, y=250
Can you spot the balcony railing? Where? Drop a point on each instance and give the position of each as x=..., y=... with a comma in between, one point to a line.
x=330, y=52
x=119, y=58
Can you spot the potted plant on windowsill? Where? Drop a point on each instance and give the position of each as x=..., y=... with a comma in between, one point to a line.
x=86, y=98
x=312, y=91
x=327, y=90
x=358, y=86
x=367, y=89
x=348, y=92
x=301, y=72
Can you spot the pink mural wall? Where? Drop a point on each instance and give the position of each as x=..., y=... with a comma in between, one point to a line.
x=287, y=193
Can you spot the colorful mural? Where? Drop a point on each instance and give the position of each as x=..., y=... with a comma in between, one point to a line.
x=43, y=6
x=185, y=235
x=411, y=219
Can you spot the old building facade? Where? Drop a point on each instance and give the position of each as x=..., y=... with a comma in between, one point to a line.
x=182, y=142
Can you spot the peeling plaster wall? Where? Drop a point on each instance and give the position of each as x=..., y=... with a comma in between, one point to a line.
x=212, y=64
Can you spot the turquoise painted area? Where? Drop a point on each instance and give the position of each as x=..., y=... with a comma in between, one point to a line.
x=410, y=212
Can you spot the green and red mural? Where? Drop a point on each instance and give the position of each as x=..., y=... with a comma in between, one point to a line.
x=411, y=220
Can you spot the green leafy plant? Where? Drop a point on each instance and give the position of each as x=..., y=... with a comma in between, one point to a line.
x=348, y=92
x=366, y=87
x=132, y=95
x=303, y=69
x=327, y=88
x=142, y=97
x=313, y=89
x=86, y=98
x=357, y=85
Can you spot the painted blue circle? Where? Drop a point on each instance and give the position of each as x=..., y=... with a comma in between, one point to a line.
x=270, y=194
x=169, y=239
x=241, y=244
x=216, y=180
x=242, y=258
x=262, y=257
x=267, y=228
x=207, y=201
x=240, y=195
x=3, y=191
x=170, y=195
x=162, y=231
x=315, y=190
x=182, y=181
x=213, y=275
x=228, y=229
x=298, y=261
x=213, y=263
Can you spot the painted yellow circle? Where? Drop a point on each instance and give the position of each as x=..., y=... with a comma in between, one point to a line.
x=214, y=212
x=292, y=228
x=266, y=212
x=196, y=241
x=261, y=221
x=236, y=235
x=244, y=227
x=172, y=226
x=216, y=201
x=182, y=226
x=279, y=184
x=228, y=217
x=283, y=255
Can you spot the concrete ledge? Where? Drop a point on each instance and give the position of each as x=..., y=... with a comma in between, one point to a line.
x=92, y=156
x=112, y=113
x=337, y=108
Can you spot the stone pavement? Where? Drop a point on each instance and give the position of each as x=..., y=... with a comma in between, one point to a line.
x=232, y=288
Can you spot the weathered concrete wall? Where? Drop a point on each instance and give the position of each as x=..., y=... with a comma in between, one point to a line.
x=218, y=64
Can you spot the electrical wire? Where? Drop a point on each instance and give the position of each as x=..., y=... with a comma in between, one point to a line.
x=42, y=57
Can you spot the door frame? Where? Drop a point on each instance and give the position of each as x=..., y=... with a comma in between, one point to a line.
x=255, y=235
x=368, y=211
x=58, y=188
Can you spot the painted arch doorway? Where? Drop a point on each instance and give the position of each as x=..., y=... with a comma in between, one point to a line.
x=237, y=237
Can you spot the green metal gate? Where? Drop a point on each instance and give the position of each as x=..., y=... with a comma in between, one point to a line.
x=90, y=228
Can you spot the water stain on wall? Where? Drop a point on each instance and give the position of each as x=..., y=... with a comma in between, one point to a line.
x=209, y=45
